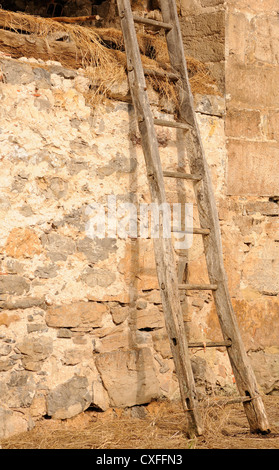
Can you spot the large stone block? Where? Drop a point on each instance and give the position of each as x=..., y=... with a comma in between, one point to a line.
x=69, y=399
x=266, y=368
x=34, y=351
x=251, y=86
x=255, y=6
x=76, y=314
x=11, y=423
x=203, y=36
x=243, y=123
x=129, y=376
x=251, y=168
x=12, y=284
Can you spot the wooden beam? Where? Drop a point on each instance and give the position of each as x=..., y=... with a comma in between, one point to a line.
x=213, y=344
x=77, y=19
x=198, y=287
x=19, y=45
x=174, y=124
x=149, y=22
x=181, y=175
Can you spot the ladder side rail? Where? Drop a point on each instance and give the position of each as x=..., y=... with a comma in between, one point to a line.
x=163, y=248
x=243, y=372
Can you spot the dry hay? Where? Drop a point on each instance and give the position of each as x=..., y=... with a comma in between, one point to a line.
x=100, y=52
x=163, y=427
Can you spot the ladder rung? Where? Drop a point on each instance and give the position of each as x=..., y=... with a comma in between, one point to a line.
x=195, y=231
x=185, y=176
x=198, y=286
x=176, y=124
x=216, y=344
x=158, y=73
x=232, y=401
x=148, y=21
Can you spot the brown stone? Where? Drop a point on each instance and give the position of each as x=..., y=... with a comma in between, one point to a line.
x=76, y=314
x=243, y=123
x=149, y=318
x=251, y=168
x=113, y=339
x=23, y=243
x=264, y=81
x=6, y=319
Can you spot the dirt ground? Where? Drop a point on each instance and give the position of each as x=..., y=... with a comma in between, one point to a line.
x=161, y=427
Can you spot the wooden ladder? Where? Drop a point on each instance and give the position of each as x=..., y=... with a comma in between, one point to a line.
x=209, y=223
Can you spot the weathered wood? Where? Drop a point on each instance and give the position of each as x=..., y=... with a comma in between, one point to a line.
x=213, y=344
x=243, y=372
x=163, y=249
x=212, y=287
x=150, y=22
x=184, y=176
x=175, y=124
x=225, y=402
x=18, y=45
x=172, y=77
x=75, y=19
x=195, y=231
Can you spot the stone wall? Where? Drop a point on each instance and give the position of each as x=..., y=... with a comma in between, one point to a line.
x=252, y=180
x=203, y=31
x=81, y=320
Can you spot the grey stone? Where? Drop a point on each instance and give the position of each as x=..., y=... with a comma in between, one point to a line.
x=36, y=327
x=34, y=351
x=17, y=72
x=5, y=349
x=58, y=247
x=97, y=249
x=11, y=284
x=22, y=303
x=42, y=77
x=46, y=272
x=64, y=333
x=26, y=210
x=120, y=164
x=69, y=399
x=20, y=389
x=63, y=72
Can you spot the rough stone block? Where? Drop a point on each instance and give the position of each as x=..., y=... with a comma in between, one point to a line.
x=11, y=423
x=128, y=376
x=22, y=243
x=203, y=36
x=10, y=284
x=69, y=399
x=76, y=314
x=34, y=351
